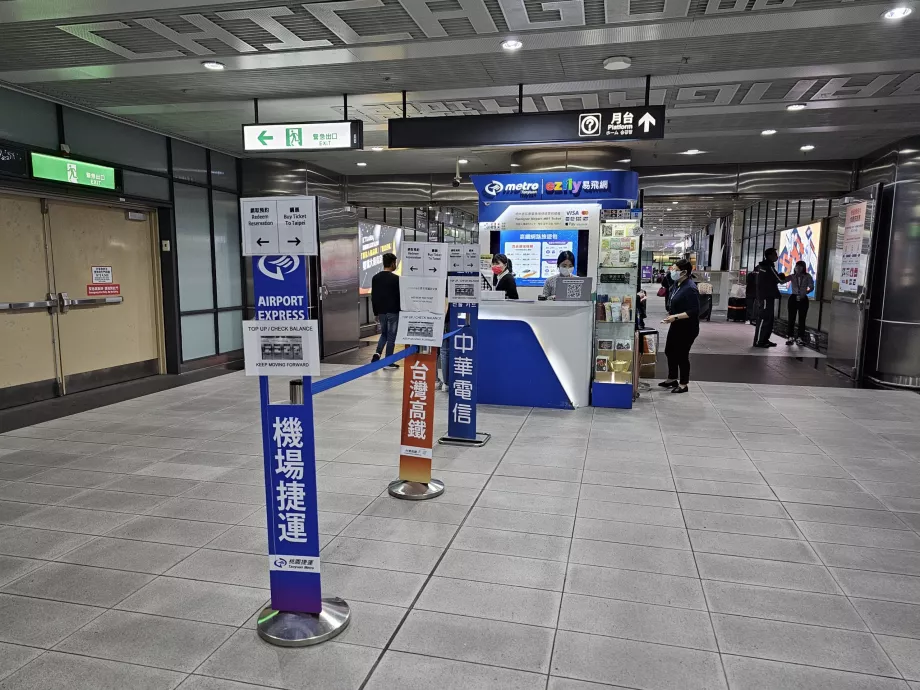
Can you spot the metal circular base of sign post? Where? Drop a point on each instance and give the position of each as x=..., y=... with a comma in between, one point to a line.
x=289, y=629
x=415, y=491
x=478, y=442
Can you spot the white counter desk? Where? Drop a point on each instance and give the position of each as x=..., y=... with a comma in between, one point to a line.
x=535, y=354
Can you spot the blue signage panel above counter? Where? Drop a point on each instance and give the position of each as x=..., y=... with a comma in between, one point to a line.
x=559, y=186
x=565, y=127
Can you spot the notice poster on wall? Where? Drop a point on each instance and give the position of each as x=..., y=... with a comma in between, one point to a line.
x=851, y=255
x=533, y=253
x=375, y=240
x=799, y=244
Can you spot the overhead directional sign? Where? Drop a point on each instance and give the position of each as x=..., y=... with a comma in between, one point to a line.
x=606, y=125
x=308, y=136
x=278, y=225
x=71, y=171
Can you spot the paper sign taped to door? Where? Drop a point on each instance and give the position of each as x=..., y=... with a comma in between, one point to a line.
x=102, y=275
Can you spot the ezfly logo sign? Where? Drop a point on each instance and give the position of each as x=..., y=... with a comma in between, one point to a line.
x=569, y=187
x=524, y=189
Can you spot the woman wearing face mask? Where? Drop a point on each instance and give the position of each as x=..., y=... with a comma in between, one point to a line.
x=503, y=278
x=800, y=285
x=684, y=317
x=566, y=265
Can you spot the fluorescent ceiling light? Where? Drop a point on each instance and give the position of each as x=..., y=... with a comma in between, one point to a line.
x=361, y=164
x=213, y=65
x=807, y=147
x=795, y=106
x=768, y=133
x=512, y=44
x=463, y=161
x=691, y=152
x=897, y=13
x=515, y=165
x=617, y=63
x=625, y=160
x=376, y=148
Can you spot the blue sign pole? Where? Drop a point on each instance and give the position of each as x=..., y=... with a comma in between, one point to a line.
x=289, y=453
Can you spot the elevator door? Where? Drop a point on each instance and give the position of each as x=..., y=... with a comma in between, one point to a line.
x=104, y=337
x=27, y=355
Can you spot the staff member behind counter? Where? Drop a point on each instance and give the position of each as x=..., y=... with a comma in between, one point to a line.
x=566, y=265
x=503, y=278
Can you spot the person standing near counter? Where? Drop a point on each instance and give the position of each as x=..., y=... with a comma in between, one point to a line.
x=503, y=278
x=684, y=317
x=566, y=265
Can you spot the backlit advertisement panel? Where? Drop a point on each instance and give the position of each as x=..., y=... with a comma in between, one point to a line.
x=375, y=240
x=799, y=244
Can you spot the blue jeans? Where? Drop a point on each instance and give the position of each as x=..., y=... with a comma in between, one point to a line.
x=388, y=323
x=444, y=360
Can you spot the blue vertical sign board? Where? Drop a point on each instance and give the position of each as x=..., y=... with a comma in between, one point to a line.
x=280, y=288
x=461, y=421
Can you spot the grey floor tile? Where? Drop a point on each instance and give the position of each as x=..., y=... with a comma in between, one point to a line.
x=114, y=501
x=632, y=585
x=730, y=489
x=13, y=657
x=619, y=494
x=556, y=683
x=829, y=498
x=369, y=584
x=497, y=643
x=890, y=618
x=741, y=524
x=860, y=536
x=905, y=653
x=13, y=567
x=865, y=558
x=203, y=511
x=424, y=511
x=800, y=481
x=10, y=472
x=372, y=625
x=332, y=666
x=553, y=505
x=737, y=506
x=502, y=569
x=175, y=470
x=632, y=557
x=630, y=512
x=518, y=521
x=770, y=548
x=127, y=554
x=755, y=571
x=63, y=476
x=811, y=645
x=368, y=553
x=634, y=664
x=758, y=674
x=512, y=543
x=632, y=533
x=169, y=531
x=833, y=611
x=208, y=602
x=415, y=672
x=38, y=543
x=881, y=519
x=56, y=670
x=486, y=600
x=539, y=487
x=230, y=493
x=717, y=475
x=624, y=479
x=42, y=494
x=41, y=623
x=637, y=621
x=78, y=584
x=64, y=519
x=872, y=585
x=158, y=486
x=12, y=512
x=826, y=468
x=170, y=643
x=247, y=570
x=242, y=538
x=194, y=682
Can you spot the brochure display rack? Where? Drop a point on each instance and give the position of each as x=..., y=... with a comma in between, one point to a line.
x=615, y=313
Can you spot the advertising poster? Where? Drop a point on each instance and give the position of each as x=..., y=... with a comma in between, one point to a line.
x=375, y=240
x=851, y=255
x=799, y=244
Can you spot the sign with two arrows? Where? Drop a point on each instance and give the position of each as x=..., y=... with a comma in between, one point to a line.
x=278, y=225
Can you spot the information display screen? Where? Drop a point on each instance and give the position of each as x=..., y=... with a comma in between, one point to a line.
x=799, y=244
x=533, y=253
x=375, y=240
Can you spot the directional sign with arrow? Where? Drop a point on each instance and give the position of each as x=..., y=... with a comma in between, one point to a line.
x=278, y=225
x=646, y=121
x=264, y=138
x=304, y=136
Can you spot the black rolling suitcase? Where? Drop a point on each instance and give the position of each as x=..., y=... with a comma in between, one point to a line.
x=737, y=309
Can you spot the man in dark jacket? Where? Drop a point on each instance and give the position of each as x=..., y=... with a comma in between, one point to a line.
x=751, y=296
x=768, y=282
x=385, y=303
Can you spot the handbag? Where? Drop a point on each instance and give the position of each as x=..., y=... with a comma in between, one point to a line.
x=662, y=292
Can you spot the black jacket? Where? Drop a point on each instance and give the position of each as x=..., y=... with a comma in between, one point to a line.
x=385, y=293
x=768, y=280
x=507, y=285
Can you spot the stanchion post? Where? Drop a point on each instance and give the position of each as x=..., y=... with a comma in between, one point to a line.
x=416, y=438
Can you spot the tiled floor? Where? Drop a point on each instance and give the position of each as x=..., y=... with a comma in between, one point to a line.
x=752, y=538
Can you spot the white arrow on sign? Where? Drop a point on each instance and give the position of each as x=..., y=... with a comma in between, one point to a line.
x=646, y=121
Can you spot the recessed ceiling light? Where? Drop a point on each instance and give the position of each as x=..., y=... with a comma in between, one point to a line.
x=768, y=132
x=675, y=202
x=625, y=160
x=795, y=106
x=897, y=13
x=515, y=165
x=213, y=65
x=376, y=148
x=617, y=63
x=362, y=164
x=512, y=44
x=463, y=161
x=807, y=147
x=691, y=152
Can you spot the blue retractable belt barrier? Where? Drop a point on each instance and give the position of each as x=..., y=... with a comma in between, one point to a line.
x=348, y=376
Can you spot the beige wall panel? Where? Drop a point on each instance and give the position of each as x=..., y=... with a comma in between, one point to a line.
x=26, y=344
x=112, y=335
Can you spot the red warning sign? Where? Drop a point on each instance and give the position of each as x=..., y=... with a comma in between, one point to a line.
x=105, y=290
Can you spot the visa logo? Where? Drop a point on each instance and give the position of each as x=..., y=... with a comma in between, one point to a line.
x=569, y=185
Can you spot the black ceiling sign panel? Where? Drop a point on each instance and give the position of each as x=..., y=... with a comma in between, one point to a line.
x=566, y=127
x=13, y=160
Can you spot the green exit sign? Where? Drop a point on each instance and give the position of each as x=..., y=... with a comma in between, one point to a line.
x=74, y=172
